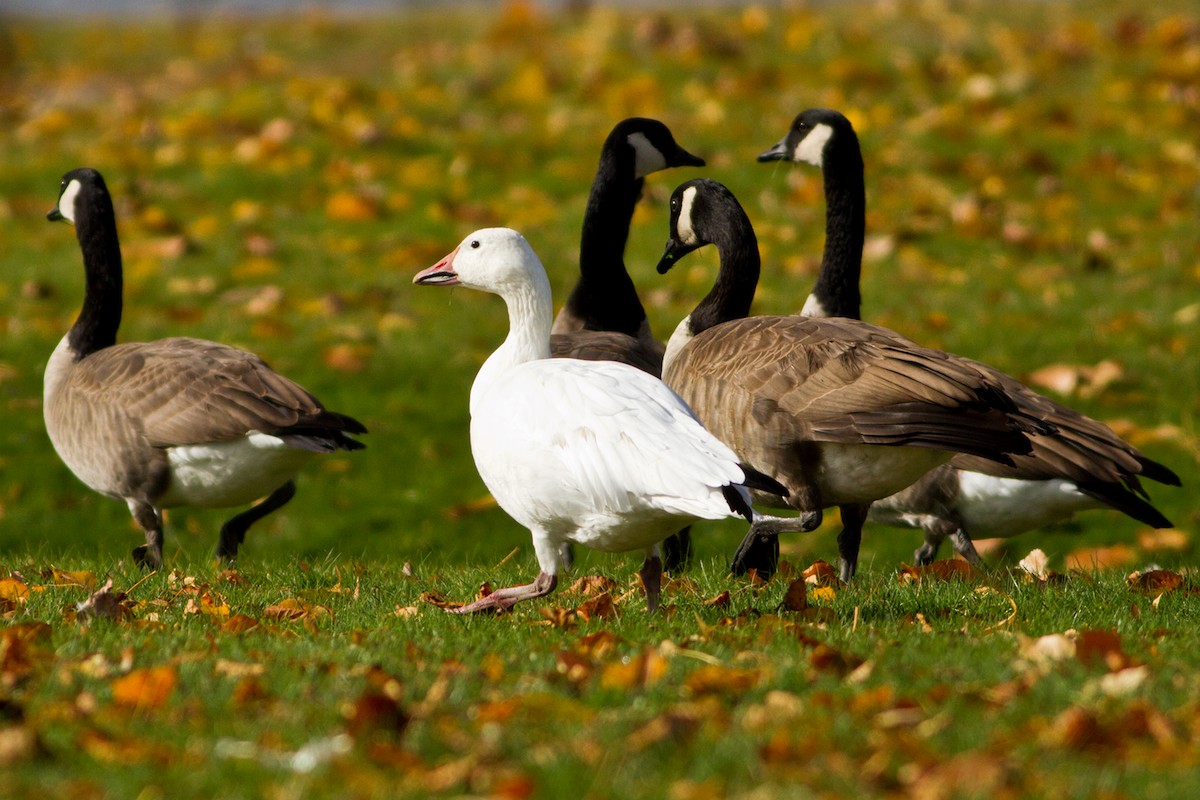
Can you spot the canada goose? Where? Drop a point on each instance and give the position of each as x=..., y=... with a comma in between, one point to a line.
x=810, y=401
x=1085, y=465
x=174, y=422
x=593, y=452
x=603, y=319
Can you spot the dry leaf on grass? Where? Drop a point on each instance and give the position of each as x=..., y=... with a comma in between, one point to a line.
x=104, y=604
x=952, y=569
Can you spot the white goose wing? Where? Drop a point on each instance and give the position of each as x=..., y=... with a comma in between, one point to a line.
x=562, y=439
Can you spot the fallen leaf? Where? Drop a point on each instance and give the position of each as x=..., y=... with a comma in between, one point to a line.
x=13, y=589
x=599, y=607
x=1154, y=582
x=1036, y=564
x=796, y=596
x=104, y=603
x=146, y=688
x=239, y=623
x=951, y=569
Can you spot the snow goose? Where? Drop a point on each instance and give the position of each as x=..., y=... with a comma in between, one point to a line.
x=173, y=422
x=841, y=412
x=603, y=319
x=593, y=452
x=1084, y=466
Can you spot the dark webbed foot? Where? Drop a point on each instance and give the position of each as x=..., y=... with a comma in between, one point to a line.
x=758, y=552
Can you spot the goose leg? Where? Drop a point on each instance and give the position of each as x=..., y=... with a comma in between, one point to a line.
x=651, y=575
x=677, y=550
x=759, y=549
x=566, y=555
x=233, y=532
x=504, y=599
x=965, y=547
x=149, y=519
x=853, y=518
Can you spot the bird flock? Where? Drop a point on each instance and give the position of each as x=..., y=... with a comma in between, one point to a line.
x=585, y=427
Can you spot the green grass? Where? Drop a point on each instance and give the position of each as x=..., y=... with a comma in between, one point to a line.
x=997, y=141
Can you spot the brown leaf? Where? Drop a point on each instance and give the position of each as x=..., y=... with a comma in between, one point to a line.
x=599, y=607
x=239, y=623
x=946, y=570
x=796, y=596
x=294, y=608
x=589, y=585
x=714, y=679
x=1104, y=647
x=104, y=603
x=720, y=601
x=558, y=616
x=1154, y=582
x=145, y=689
x=374, y=713
x=436, y=599
x=820, y=573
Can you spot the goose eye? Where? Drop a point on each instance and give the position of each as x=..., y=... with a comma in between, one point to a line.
x=474, y=244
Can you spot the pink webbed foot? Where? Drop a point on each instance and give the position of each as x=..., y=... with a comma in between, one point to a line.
x=504, y=599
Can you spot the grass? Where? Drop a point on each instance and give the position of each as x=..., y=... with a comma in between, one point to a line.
x=1031, y=193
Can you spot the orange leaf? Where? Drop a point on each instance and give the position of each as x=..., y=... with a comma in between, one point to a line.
x=239, y=623
x=713, y=679
x=351, y=207
x=146, y=688
x=13, y=589
x=720, y=601
x=821, y=574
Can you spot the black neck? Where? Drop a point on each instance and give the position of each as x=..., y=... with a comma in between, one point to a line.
x=605, y=297
x=845, y=225
x=733, y=291
x=96, y=327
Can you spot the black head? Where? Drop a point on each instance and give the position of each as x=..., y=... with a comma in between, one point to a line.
x=814, y=134
x=85, y=183
x=698, y=208
x=651, y=145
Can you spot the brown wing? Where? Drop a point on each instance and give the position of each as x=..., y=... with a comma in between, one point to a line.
x=792, y=379
x=608, y=346
x=191, y=391
x=1083, y=451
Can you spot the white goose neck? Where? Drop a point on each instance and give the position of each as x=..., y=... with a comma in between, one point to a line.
x=530, y=316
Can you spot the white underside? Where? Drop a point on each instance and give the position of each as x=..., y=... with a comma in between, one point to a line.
x=230, y=473
x=1000, y=507
x=991, y=507
x=860, y=473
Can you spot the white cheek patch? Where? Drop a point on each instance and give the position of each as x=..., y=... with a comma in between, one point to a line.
x=813, y=308
x=66, y=201
x=683, y=226
x=646, y=157
x=811, y=149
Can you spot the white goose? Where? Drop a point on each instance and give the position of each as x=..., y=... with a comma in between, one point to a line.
x=1085, y=465
x=593, y=452
x=173, y=422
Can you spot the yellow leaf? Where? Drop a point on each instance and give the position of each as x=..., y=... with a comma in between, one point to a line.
x=13, y=589
x=351, y=207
